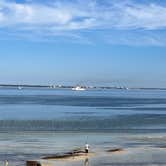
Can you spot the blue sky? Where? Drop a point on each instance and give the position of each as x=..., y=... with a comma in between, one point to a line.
x=93, y=42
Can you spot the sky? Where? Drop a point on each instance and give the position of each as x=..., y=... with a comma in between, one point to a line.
x=89, y=42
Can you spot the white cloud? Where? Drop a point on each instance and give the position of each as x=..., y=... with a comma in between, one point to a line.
x=1, y=17
x=25, y=14
x=136, y=38
x=149, y=16
x=75, y=16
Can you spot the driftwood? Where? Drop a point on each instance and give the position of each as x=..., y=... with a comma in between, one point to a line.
x=32, y=163
x=115, y=150
x=74, y=153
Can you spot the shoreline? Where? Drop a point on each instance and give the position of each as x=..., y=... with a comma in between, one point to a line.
x=76, y=155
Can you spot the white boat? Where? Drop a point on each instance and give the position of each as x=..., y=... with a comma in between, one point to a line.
x=78, y=88
x=19, y=87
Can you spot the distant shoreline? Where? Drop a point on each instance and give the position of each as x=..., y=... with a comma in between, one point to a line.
x=72, y=86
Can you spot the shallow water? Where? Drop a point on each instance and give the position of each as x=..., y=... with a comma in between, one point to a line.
x=36, y=122
x=138, y=148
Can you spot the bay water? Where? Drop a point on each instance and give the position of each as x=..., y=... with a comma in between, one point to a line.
x=40, y=122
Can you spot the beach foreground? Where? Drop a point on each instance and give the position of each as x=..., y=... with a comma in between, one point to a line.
x=140, y=156
x=134, y=149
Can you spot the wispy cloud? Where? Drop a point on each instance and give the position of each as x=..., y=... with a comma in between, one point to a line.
x=71, y=18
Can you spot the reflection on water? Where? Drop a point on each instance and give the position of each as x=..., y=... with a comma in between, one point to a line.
x=86, y=162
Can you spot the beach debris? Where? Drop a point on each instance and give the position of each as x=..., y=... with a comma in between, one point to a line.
x=114, y=150
x=162, y=147
x=33, y=163
x=73, y=153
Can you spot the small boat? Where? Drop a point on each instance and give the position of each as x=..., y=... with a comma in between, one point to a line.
x=19, y=88
x=78, y=88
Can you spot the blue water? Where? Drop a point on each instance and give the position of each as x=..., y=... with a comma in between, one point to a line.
x=95, y=110
x=46, y=119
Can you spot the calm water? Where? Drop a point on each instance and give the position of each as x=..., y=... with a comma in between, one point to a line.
x=34, y=123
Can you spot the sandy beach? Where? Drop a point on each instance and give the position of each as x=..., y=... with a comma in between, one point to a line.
x=139, y=156
x=77, y=157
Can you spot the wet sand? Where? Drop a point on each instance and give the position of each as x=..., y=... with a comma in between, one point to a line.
x=139, y=156
x=108, y=150
x=76, y=157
